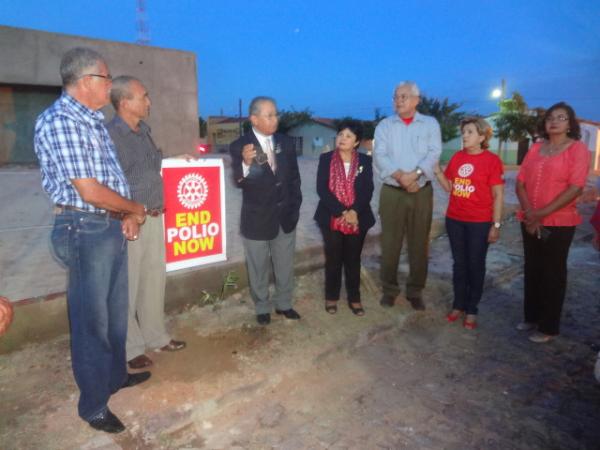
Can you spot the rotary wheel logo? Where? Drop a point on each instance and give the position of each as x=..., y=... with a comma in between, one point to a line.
x=192, y=191
x=465, y=170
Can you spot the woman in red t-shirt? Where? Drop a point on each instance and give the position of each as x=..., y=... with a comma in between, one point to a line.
x=551, y=178
x=474, y=178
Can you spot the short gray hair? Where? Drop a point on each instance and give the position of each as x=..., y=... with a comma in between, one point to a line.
x=75, y=62
x=121, y=89
x=414, y=89
x=254, y=107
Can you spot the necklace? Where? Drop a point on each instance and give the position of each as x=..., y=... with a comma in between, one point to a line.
x=554, y=148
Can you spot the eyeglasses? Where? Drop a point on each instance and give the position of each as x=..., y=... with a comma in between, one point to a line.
x=560, y=118
x=402, y=97
x=106, y=77
x=268, y=116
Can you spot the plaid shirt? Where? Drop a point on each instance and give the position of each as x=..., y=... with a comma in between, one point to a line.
x=71, y=142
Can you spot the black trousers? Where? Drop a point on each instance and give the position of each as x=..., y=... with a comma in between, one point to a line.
x=546, y=277
x=342, y=251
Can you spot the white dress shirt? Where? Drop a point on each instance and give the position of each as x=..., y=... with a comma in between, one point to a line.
x=267, y=144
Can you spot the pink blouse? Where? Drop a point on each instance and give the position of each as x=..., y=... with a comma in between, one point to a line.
x=545, y=177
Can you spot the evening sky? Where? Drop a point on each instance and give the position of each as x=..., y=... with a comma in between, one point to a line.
x=341, y=58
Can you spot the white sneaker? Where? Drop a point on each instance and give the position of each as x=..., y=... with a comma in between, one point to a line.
x=526, y=326
x=540, y=338
x=597, y=369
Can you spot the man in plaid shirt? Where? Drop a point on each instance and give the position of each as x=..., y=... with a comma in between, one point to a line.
x=94, y=217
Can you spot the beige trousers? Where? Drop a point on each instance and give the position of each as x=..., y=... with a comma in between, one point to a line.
x=147, y=276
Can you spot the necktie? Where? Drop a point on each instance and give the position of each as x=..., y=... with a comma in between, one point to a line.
x=270, y=154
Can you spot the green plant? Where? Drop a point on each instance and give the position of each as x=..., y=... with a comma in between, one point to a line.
x=208, y=298
x=230, y=280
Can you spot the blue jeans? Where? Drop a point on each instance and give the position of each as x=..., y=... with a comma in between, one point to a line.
x=468, y=241
x=94, y=250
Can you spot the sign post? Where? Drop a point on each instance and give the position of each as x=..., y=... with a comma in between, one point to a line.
x=194, y=218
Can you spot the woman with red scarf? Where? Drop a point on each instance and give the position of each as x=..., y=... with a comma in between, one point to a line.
x=345, y=188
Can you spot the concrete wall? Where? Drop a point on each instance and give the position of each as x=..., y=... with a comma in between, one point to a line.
x=32, y=57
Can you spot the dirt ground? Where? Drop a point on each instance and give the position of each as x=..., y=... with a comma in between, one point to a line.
x=393, y=379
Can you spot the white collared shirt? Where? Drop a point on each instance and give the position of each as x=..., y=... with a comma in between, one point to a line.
x=262, y=140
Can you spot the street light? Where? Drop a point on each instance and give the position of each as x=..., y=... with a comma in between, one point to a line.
x=500, y=93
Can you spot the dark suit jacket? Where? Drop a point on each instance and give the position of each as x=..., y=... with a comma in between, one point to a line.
x=268, y=199
x=330, y=206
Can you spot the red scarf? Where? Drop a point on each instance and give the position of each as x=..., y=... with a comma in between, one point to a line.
x=342, y=187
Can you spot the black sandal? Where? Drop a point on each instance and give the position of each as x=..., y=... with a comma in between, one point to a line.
x=331, y=309
x=357, y=311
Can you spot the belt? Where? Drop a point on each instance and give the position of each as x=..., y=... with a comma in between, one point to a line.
x=113, y=215
x=400, y=188
x=154, y=212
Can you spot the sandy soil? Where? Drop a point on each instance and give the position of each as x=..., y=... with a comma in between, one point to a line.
x=393, y=379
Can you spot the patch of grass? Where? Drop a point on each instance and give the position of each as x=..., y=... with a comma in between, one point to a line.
x=209, y=298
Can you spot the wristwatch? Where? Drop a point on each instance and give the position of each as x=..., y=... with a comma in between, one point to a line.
x=497, y=225
x=419, y=172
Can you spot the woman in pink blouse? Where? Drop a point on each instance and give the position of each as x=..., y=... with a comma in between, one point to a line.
x=551, y=177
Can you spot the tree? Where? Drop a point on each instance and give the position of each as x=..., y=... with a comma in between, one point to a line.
x=515, y=121
x=287, y=120
x=293, y=118
x=446, y=114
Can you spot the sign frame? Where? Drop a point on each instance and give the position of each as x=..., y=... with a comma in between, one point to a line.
x=177, y=163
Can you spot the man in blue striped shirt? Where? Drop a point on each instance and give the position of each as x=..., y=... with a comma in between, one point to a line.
x=94, y=217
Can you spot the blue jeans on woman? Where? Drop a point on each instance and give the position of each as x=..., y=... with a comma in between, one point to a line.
x=94, y=250
x=469, y=244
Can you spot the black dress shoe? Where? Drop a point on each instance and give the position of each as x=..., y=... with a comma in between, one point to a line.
x=107, y=422
x=387, y=301
x=263, y=319
x=288, y=314
x=136, y=378
x=416, y=303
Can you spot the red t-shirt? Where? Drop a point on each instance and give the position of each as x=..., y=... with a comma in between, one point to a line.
x=472, y=178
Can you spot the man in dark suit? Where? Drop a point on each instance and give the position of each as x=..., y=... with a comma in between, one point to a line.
x=266, y=169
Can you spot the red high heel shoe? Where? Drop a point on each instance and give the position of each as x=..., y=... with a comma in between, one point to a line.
x=453, y=317
x=470, y=325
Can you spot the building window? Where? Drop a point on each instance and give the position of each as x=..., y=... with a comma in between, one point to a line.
x=19, y=107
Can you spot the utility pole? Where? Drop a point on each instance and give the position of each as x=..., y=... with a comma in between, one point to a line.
x=143, y=31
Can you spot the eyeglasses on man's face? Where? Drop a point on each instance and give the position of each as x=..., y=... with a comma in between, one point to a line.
x=268, y=116
x=106, y=77
x=402, y=97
